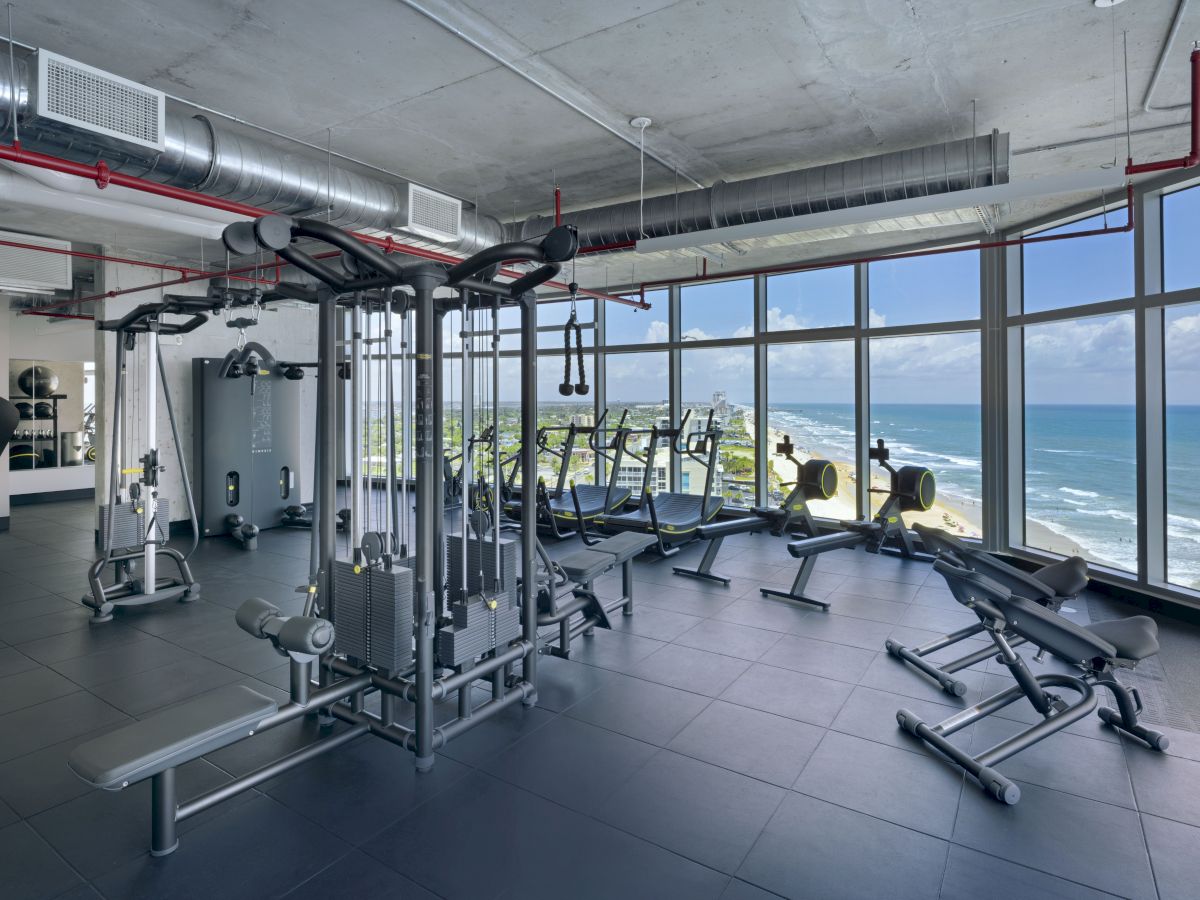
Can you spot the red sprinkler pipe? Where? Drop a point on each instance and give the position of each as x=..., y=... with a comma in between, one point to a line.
x=1193, y=158
x=557, y=206
x=54, y=315
x=103, y=176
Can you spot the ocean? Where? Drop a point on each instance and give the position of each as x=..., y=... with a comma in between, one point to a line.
x=1079, y=467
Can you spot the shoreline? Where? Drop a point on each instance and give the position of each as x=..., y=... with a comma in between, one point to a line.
x=949, y=512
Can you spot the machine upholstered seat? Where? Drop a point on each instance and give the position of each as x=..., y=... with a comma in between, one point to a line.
x=1134, y=638
x=1066, y=578
x=171, y=738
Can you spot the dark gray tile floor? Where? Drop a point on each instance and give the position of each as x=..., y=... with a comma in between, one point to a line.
x=715, y=744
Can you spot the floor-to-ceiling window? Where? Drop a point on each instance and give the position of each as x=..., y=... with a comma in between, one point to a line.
x=925, y=407
x=717, y=385
x=810, y=404
x=1181, y=358
x=925, y=386
x=637, y=389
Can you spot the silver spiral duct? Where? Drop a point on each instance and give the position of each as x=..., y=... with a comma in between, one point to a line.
x=215, y=159
x=938, y=169
x=205, y=156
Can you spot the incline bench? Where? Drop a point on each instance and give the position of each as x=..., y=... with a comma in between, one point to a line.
x=583, y=567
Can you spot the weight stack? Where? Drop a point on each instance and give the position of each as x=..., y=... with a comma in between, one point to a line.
x=129, y=525
x=481, y=568
x=477, y=630
x=373, y=615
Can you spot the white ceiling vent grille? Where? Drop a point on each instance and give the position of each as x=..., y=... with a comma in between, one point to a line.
x=23, y=269
x=99, y=102
x=433, y=215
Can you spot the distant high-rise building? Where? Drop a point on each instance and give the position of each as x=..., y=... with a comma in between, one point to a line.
x=720, y=403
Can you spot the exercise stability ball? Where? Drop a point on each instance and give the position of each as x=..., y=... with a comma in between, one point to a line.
x=38, y=381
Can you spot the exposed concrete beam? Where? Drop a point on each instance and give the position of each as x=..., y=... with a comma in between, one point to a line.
x=489, y=39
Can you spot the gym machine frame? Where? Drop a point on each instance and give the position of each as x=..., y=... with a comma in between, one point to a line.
x=129, y=589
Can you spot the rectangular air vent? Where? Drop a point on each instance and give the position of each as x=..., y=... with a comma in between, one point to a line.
x=99, y=102
x=433, y=215
x=36, y=271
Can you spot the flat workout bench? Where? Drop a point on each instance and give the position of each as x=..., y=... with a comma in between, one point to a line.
x=583, y=567
x=153, y=747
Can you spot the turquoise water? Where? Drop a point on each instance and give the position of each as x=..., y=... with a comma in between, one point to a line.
x=1079, y=466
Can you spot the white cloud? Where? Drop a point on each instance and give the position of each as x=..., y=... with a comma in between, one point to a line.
x=1103, y=344
x=657, y=332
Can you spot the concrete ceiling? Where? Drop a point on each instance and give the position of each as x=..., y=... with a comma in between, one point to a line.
x=735, y=89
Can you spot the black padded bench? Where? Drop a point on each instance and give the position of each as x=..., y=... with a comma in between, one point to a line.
x=583, y=567
x=153, y=747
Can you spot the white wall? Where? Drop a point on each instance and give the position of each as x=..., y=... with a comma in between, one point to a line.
x=41, y=338
x=289, y=333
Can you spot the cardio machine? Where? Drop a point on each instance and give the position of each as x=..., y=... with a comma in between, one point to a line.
x=570, y=507
x=816, y=479
x=672, y=518
x=910, y=488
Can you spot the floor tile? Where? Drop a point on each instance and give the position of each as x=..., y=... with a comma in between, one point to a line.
x=791, y=694
x=976, y=876
x=871, y=713
x=358, y=790
x=13, y=661
x=729, y=639
x=759, y=744
x=262, y=848
x=615, y=650
x=1042, y=832
x=703, y=812
x=29, y=868
x=691, y=670
x=550, y=762
x=813, y=849
x=914, y=791
x=1173, y=852
x=1165, y=786
x=836, y=661
x=361, y=877
x=52, y=722
x=564, y=682
x=639, y=709
x=32, y=687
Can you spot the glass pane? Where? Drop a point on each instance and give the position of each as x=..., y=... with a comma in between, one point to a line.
x=557, y=314
x=639, y=382
x=925, y=393
x=719, y=309
x=1082, y=270
x=810, y=398
x=1080, y=461
x=720, y=380
x=1181, y=221
x=632, y=325
x=821, y=298
x=1182, y=357
x=557, y=411
x=943, y=288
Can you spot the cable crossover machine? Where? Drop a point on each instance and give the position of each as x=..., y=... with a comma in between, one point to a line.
x=386, y=615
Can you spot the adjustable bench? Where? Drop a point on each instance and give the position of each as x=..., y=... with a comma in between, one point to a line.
x=155, y=746
x=583, y=567
x=808, y=550
x=1050, y=586
x=1094, y=650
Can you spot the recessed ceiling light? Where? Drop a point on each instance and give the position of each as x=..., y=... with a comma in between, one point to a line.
x=1105, y=4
